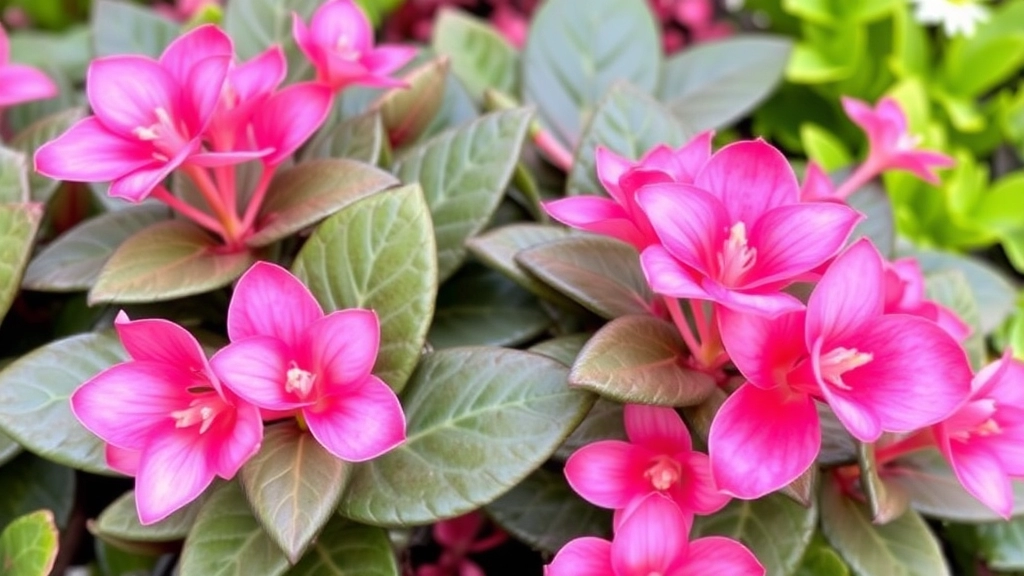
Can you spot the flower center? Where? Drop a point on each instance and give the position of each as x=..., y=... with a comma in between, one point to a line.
x=300, y=381
x=202, y=411
x=345, y=48
x=736, y=257
x=841, y=360
x=663, y=472
x=167, y=138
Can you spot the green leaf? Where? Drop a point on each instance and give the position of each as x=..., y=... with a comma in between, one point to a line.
x=828, y=54
x=563, y=348
x=300, y=196
x=40, y=132
x=498, y=248
x=1002, y=544
x=123, y=28
x=950, y=289
x=167, y=260
x=479, y=306
x=821, y=560
x=824, y=147
x=712, y=85
x=70, y=50
x=227, y=540
x=346, y=548
x=28, y=546
x=378, y=253
x=576, y=50
x=13, y=177
x=480, y=56
x=29, y=483
x=479, y=420
x=408, y=111
x=359, y=138
x=254, y=25
x=603, y=422
x=73, y=261
x=902, y=547
x=640, y=360
x=464, y=173
x=628, y=122
x=114, y=561
x=879, y=224
x=18, y=224
x=293, y=485
x=602, y=274
x=776, y=529
x=34, y=392
x=120, y=521
x=8, y=448
x=544, y=512
x=994, y=294
x=973, y=66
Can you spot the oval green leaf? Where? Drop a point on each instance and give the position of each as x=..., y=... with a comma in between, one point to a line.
x=30, y=483
x=18, y=225
x=359, y=138
x=28, y=546
x=498, y=248
x=120, y=521
x=480, y=56
x=346, y=548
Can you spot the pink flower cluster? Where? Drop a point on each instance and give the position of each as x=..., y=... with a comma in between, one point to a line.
x=175, y=419
x=198, y=111
x=728, y=234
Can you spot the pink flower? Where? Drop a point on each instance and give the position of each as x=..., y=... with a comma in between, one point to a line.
x=19, y=83
x=459, y=537
x=339, y=43
x=984, y=439
x=166, y=418
x=620, y=216
x=288, y=118
x=149, y=116
x=739, y=234
x=905, y=293
x=892, y=147
x=652, y=539
x=659, y=457
x=286, y=356
x=817, y=185
x=247, y=86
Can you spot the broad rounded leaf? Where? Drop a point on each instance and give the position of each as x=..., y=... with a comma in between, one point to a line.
x=256, y=24
x=358, y=138
x=120, y=521
x=346, y=548
x=28, y=546
x=165, y=261
x=73, y=261
x=18, y=224
x=480, y=56
x=293, y=485
x=498, y=248
x=407, y=112
x=300, y=196
x=479, y=421
x=40, y=132
x=562, y=348
x=544, y=512
x=34, y=393
x=993, y=292
x=29, y=483
x=378, y=253
x=123, y=28
x=776, y=529
x=576, y=50
x=641, y=360
x=464, y=173
x=716, y=83
x=227, y=540
x=13, y=177
x=951, y=289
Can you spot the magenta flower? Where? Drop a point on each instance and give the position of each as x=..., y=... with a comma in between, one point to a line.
x=149, y=116
x=287, y=356
x=739, y=234
x=905, y=293
x=620, y=216
x=288, y=118
x=652, y=539
x=247, y=87
x=984, y=439
x=458, y=537
x=659, y=457
x=339, y=43
x=166, y=418
x=19, y=83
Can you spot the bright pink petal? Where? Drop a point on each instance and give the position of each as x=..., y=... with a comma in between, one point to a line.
x=137, y=185
x=719, y=555
x=23, y=84
x=1003, y=381
x=173, y=471
x=598, y=215
x=761, y=440
x=342, y=348
x=342, y=23
x=609, y=473
x=697, y=492
x=690, y=222
x=980, y=472
x=769, y=303
x=259, y=75
x=794, y=239
x=88, y=152
x=764, y=349
x=359, y=424
x=864, y=116
x=162, y=341
x=186, y=51
x=384, y=60
x=126, y=91
x=240, y=440
x=215, y=159
x=270, y=301
x=256, y=369
x=750, y=178
x=288, y=117
x=817, y=185
x=651, y=539
x=586, y=556
x=610, y=168
x=123, y=460
x=203, y=91
x=668, y=276
x=849, y=295
x=658, y=428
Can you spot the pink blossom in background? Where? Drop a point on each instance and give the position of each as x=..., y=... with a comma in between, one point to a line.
x=905, y=293
x=739, y=233
x=459, y=537
x=288, y=357
x=659, y=458
x=166, y=417
x=339, y=43
x=984, y=439
x=817, y=185
x=20, y=83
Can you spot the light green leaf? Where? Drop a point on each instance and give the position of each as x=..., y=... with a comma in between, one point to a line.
x=346, y=548
x=255, y=25
x=464, y=173
x=359, y=138
x=120, y=521
x=167, y=260
x=951, y=289
x=29, y=483
x=821, y=560
x=776, y=529
x=480, y=56
x=498, y=248
x=18, y=224
x=628, y=122
x=28, y=546
x=641, y=360
x=13, y=177
x=73, y=261
x=378, y=253
x=293, y=485
x=34, y=392
x=40, y=132
x=226, y=540
x=1002, y=544
x=479, y=421
x=576, y=50
x=824, y=147
x=124, y=28
x=714, y=84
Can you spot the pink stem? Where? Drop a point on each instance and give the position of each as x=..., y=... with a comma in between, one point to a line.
x=188, y=211
x=697, y=307
x=681, y=324
x=205, y=185
x=861, y=176
x=919, y=440
x=258, y=195
x=553, y=149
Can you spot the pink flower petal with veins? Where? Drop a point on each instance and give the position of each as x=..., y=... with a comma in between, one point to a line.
x=256, y=307
x=749, y=178
x=363, y=422
x=718, y=555
x=587, y=556
x=289, y=117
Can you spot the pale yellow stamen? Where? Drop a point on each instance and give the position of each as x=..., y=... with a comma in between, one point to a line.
x=840, y=360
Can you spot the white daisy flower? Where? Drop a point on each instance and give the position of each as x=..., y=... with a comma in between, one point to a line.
x=957, y=17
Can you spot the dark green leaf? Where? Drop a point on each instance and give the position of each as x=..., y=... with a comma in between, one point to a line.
x=124, y=28
x=603, y=422
x=8, y=448
x=346, y=548
x=18, y=224
x=563, y=348
x=29, y=483
x=28, y=546
x=120, y=521
x=480, y=56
